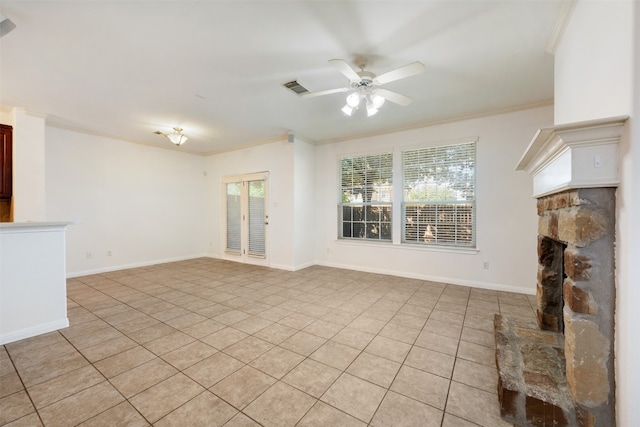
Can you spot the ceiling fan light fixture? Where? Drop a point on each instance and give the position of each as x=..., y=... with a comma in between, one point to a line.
x=378, y=101
x=371, y=109
x=348, y=110
x=364, y=85
x=353, y=100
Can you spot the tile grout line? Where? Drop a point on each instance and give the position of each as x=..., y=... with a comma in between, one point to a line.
x=455, y=362
x=388, y=389
x=24, y=386
x=106, y=380
x=118, y=293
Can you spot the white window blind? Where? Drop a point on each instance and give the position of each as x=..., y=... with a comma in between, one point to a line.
x=365, y=196
x=234, y=216
x=256, y=218
x=439, y=195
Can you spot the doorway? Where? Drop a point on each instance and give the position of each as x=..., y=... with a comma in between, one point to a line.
x=6, y=173
x=246, y=218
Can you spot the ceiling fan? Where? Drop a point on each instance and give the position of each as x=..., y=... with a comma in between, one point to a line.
x=365, y=85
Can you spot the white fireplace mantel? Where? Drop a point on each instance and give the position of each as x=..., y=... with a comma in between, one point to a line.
x=574, y=155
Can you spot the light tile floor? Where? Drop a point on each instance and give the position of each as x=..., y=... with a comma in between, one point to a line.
x=208, y=342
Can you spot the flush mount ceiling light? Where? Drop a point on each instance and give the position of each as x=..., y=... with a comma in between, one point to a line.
x=177, y=137
x=364, y=85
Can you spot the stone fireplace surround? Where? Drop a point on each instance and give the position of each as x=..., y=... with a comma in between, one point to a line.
x=562, y=374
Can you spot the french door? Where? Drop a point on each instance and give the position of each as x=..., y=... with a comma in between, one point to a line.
x=246, y=217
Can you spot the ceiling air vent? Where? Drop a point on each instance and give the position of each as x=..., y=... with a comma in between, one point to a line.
x=296, y=87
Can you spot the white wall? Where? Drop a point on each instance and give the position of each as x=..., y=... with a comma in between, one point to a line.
x=506, y=213
x=304, y=208
x=597, y=66
x=28, y=166
x=593, y=62
x=628, y=265
x=629, y=294
x=144, y=204
x=277, y=158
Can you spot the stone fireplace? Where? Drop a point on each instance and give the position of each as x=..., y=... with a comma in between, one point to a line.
x=562, y=374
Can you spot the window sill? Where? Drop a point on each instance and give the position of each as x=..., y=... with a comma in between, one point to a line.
x=408, y=247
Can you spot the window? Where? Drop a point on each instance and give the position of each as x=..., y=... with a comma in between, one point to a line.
x=364, y=208
x=439, y=195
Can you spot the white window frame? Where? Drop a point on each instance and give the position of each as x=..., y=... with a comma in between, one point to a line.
x=367, y=207
x=443, y=214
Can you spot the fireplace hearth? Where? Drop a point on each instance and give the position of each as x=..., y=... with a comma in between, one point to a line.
x=562, y=374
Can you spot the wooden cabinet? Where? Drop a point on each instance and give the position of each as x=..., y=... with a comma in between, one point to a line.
x=6, y=162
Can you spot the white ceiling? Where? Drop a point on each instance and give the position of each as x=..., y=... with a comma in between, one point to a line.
x=216, y=68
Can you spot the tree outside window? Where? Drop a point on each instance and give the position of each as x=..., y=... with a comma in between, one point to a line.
x=365, y=197
x=439, y=195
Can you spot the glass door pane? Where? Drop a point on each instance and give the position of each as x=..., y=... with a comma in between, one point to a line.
x=234, y=217
x=245, y=209
x=257, y=218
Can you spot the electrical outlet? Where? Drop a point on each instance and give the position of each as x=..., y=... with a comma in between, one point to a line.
x=485, y=265
x=89, y=256
x=109, y=253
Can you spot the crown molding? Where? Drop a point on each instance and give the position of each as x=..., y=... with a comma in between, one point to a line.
x=171, y=147
x=31, y=113
x=562, y=21
x=429, y=123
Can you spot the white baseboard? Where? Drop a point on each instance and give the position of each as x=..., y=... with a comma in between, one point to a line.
x=276, y=266
x=453, y=281
x=292, y=267
x=282, y=267
x=305, y=265
x=32, y=331
x=108, y=269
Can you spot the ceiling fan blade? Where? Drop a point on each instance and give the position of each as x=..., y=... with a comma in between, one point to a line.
x=400, y=73
x=324, y=92
x=345, y=69
x=394, y=97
